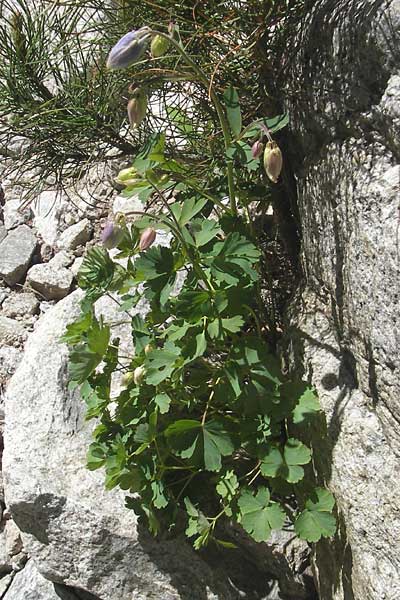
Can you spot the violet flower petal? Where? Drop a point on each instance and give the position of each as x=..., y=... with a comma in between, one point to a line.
x=129, y=49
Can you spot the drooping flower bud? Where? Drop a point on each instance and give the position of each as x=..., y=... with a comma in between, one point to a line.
x=127, y=378
x=137, y=107
x=127, y=176
x=138, y=375
x=256, y=149
x=111, y=235
x=159, y=46
x=148, y=348
x=129, y=49
x=273, y=161
x=147, y=238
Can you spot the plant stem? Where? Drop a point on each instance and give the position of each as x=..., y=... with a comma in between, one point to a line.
x=196, y=265
x=256, y=319
x=203, y=420
x=220, y=112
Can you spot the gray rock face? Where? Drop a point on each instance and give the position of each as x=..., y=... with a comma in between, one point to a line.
x=3, y=233
x=51, y=281
x=127, y=206
x=47, y=210
x=19, y=305
x=28, y=584
x=75, y=235
x=5, y=583
x=81, y=535
x=10, y=331
x=14, y=215
x=12, y=558
x=78, y=533
x=345, y=326
x=9, y=359
x=16, y=251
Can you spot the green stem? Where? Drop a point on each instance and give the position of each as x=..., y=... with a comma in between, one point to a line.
x=196, y=265
x=256, y=319
x=189, y=479
x=220, y=112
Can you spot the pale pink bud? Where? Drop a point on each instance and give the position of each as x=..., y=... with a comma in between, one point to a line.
x=256, y=149
x=137, y=107
x=273, y=161
x=147, y=238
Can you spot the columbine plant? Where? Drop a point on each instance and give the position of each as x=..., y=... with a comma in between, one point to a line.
x=206, y=424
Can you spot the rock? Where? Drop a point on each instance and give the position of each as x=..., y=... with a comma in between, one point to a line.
x=78, y=533
x=16, y=251
x=12, y=558
x=77, y=265
x=9, y=359
x=10, y=331
x=62, y=259
x=3, y=233
x=45, y=306
x=127, y=205
x=76, y=235
x=5, y=563
x=47, y=210
x=20, y=305
x=5, y=583
x=14, y=215
x=46, y=252
x=4, y=293
x=28, y=584
x=345, y=322
x=91, y=194
x=13, y=538
x=50, y=280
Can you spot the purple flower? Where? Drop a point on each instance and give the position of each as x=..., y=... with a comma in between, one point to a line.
x=111, y=235
x=129, y=49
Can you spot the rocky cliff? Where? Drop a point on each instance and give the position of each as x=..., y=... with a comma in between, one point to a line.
x=344, y=96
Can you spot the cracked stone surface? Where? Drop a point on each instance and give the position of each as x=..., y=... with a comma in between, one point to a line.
x=16, y=251
x=345, y=319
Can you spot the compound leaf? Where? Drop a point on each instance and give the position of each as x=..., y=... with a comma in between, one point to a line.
x=287, y=466
x=258, y=515
x=317, y=520
x=308, y=406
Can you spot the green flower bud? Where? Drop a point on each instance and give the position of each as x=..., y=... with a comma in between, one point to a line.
x=127, y=378
x=137, y=108
x=127, y=176
x=273, y=161
x=159, y=46
x=148, y=348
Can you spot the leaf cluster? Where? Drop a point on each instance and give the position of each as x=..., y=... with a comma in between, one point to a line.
x=204, y=430
x=201, y=425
